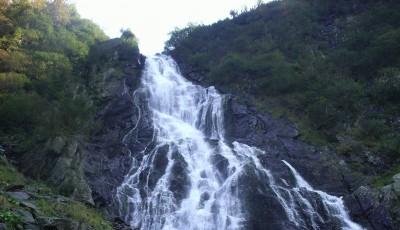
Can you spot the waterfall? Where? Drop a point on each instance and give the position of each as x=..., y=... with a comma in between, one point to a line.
x=187, y=178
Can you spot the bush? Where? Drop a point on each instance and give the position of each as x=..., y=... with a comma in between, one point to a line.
x=11, y=82
x=373, y=128
x=20, y=112
x=11, y=219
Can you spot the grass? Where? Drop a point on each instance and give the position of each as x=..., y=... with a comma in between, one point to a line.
x=9, y=175
x=75, y=211
x=7, y=213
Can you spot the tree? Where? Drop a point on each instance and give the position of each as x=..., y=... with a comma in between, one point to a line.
x=59, y=11
x=128, y=37
x=233, y=13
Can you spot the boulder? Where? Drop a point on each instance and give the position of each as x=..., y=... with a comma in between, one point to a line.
x=19, y=196
x=26, y=217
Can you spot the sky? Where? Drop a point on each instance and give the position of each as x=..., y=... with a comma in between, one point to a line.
x=152, y=20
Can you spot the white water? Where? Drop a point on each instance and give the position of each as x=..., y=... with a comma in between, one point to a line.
x=187, y=119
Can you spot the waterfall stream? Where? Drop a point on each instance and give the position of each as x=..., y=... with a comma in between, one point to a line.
x=188, y=176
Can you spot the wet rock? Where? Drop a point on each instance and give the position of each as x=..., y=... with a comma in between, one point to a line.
x=221, y=164
x=159, y=165
x=119, y=224
x=203, y=198
x=179, y=181
x=263, y=209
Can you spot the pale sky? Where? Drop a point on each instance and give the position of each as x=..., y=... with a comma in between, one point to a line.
x=152, y=20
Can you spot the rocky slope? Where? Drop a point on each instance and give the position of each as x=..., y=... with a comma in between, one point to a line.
x=109, y=147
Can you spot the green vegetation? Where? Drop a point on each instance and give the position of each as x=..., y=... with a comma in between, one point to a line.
x=333, y=67
x=49, y=88
x=44, y=47
x=75, y=211
x=10, y=219
x=8, y=174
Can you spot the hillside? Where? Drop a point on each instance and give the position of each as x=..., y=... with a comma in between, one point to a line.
x=52, y=83
x=332, y=68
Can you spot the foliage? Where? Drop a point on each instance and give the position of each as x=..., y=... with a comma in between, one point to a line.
x=10, y=219
x=44, y=46
x=11, y=82
x=331, y=66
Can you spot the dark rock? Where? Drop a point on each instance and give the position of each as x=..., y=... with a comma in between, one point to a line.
x=119, y=224
x=49, y=223
x=2, y=150
x=14, y=188
x=159, y=165
x=31, y=227
x=122, y=114
x=264, y=210
x=221, y=164
x=366, y=206
x=179, y=180
x=3, y=226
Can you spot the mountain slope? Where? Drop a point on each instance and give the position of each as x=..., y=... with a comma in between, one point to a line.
x=331, y=67
x=57, y=71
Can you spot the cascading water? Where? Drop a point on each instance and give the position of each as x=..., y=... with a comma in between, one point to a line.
x=177, y=182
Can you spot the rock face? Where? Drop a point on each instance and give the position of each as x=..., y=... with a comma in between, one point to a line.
x=61, y=164
x=108, y=157
x=370, y=205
